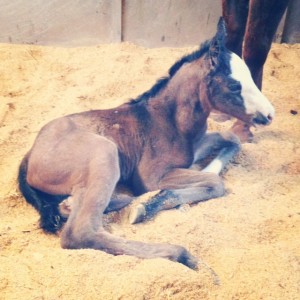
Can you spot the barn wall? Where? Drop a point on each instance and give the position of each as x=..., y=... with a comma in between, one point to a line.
x=151, y=23
x=168, y=22
x=88, y=22
x=60, y=22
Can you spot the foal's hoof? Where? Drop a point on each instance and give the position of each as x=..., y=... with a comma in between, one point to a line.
x=65, y=207
x=188, y=260
x=137, y=214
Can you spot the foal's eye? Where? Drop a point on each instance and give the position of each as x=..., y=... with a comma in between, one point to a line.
x=235, y=88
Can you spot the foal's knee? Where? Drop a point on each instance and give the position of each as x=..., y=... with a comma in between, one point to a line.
x=232, y=139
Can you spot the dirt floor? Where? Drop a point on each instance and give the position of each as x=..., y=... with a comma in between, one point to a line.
x=250, y=237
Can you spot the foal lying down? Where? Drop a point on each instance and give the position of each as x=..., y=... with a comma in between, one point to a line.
x=151, y=143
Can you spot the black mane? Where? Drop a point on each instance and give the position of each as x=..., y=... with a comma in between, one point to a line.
x=162, y=82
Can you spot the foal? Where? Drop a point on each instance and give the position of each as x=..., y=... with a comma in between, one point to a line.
x=151, y=143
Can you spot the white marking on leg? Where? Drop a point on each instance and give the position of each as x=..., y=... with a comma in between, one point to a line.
x=215, y=166
x=254, y=100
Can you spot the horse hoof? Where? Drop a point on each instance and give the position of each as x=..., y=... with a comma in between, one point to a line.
x=137, y=215
x=192, y=262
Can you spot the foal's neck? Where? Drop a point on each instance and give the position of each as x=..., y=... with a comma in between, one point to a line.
x=185, y=96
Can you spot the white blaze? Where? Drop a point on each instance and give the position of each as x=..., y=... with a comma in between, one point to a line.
x=254, y=100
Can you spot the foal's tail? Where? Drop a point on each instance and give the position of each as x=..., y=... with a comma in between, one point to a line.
x=47, y=205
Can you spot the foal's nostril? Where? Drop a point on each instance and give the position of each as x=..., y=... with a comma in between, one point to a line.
x=261, y=119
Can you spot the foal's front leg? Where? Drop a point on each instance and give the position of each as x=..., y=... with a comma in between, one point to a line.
x=187, y=186
x=224, y=146
x=179, y=186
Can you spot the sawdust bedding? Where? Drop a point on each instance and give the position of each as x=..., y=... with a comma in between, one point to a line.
x=250, y=237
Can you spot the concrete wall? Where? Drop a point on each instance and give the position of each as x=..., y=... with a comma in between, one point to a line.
x=151, y=23
x=60, y=22
x=169, y=22
x=88, y=22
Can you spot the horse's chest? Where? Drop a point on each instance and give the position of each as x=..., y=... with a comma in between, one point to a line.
x=158, y=159
x=170, y=152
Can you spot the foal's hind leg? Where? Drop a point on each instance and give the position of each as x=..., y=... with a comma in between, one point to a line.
x=84, y=227
x=117, y=202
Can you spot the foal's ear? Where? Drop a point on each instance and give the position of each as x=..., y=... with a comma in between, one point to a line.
x=217, y=43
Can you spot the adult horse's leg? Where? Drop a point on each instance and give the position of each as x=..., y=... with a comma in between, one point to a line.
x=264, y=17
x=235, y=13
x=291, y=29
x=186, y=186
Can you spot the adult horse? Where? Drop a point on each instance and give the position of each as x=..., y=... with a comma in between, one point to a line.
x=254, y=24
x=150, y=143
x=251, y=27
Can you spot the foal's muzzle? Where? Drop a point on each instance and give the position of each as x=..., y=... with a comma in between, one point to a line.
x=260, y=119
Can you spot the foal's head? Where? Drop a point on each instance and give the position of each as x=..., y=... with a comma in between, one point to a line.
x=231, y=88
